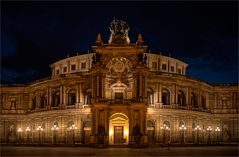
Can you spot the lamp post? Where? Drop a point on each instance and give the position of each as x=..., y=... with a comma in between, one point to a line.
x=209, y=129
x=217, y=132
x=182, y=128
x=19, y=135
x=73, y=128
x=27, y=131
x=54, y=131
x=197, y=128
x=164, y=128
x=39, y=129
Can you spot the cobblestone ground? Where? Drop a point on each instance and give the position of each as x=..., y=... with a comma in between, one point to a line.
x=150, y=151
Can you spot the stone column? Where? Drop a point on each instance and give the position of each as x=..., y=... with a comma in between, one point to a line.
x=160, y=94
x=64, y=96
x=140, y=86
x=97, y=86
x=50, y=98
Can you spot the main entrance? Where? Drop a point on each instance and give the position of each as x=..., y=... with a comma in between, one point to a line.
x=119, y=129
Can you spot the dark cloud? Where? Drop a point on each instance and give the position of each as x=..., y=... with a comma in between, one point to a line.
x=36, y=34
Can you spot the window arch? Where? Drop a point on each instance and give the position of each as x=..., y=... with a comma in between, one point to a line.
x=69, y=124
x=194, y=100
x=181, y=98
x=43, y=101
x=166, y=97
x=181, y=123
x=56, y=99
x=72, y=97
x=167, y=123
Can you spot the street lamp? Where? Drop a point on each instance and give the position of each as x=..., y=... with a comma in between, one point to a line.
x=73, y=128
x=209, y=129
x=197, y=128
x=19, y=134
x=164, y=128
x=27, y=131
x=217, y=132
x=54, y=131
x=182, y=128
x=39, y=129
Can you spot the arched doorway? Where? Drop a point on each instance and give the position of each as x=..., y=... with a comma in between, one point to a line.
x=119, y=129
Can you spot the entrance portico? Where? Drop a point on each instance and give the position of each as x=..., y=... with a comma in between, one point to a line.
x=119, y=129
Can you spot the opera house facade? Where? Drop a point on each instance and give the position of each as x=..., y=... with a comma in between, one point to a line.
x=119, y=93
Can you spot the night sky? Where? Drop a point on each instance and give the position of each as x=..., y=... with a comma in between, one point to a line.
x=36, y=34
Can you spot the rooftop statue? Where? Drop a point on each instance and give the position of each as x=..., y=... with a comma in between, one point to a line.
x=119, y=27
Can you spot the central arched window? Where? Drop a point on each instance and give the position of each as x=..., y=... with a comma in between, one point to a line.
x=165, y=97
x=72, y=97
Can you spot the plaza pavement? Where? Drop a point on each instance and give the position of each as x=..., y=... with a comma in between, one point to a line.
x=149, y=151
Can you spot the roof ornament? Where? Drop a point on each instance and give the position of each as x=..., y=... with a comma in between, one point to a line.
x=119, y=32
x=139, y=40
x=119, y=27
x=99, y=40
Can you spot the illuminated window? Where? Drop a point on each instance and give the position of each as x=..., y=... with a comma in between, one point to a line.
x=73, y=67
x=83, y=65
x=164, y=66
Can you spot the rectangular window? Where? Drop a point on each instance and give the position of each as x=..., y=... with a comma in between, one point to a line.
x=73, y=67
x=57, y=71
x=154, y=65
x=83, y=65
x=164, y=66
x=65, y=69
x=118, y=95
x=179, y=71
x=172, y=69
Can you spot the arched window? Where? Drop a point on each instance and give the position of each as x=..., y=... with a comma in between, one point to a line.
x=181, y=123
x=56, y=99
x=181, y=98
x=165, y=97
x=70, y=124
x=193, y=100
x=43, y=101
x=72, y=97
x=167, y=123
x=150, y=94
x=34, y=103
x=203, y=99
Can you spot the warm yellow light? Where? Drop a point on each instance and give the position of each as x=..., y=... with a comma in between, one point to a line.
x=111, y=132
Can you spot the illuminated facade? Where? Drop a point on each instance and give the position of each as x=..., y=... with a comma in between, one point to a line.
x=120, y=93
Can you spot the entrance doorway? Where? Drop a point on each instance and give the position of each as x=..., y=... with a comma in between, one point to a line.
x=119, y=129
x=118, y=134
